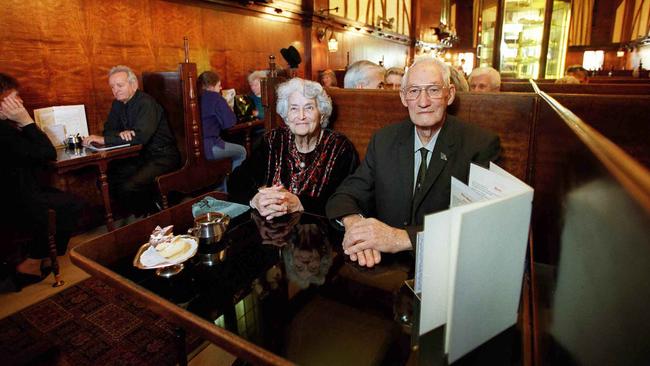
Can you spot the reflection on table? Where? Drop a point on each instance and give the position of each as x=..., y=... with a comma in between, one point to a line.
x=280, y=291
x=73, y=159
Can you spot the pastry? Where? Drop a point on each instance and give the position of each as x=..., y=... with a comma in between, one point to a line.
x=170, y=249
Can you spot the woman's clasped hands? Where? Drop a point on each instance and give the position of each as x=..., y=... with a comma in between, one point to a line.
x=275, y=201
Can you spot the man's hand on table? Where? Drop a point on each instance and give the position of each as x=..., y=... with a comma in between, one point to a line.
x=99, y=140
x=127, y=135
x=365, y=239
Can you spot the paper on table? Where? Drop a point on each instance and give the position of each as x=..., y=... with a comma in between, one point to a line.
x=73, y=117
x=489, y=271
x=229, y=96
x=473, y=260
x=55, y=133
x=105, y=148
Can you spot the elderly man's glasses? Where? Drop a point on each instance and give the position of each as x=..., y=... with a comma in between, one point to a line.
x=413, y=92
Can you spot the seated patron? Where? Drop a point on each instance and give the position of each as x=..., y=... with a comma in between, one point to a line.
x=256, y=92
x=364, y=75
x=136, y=118
x=458, y=79
x=328, y=79
x=28, y=151
x=394, y=77
x=567, y=80
x=578, y=72
x=484, y=79
x=407, y=170
x=215, y=117
x=295, y=167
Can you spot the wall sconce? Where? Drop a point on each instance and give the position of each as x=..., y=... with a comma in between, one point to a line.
x=385, y=23
x=332, y=43
x=321, y=12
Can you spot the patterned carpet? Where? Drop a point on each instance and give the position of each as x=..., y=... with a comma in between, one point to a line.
x=88, y=324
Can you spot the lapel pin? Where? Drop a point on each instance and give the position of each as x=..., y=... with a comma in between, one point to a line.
x=443, y=156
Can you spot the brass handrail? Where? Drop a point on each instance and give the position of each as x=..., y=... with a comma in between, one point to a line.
x=629, y=172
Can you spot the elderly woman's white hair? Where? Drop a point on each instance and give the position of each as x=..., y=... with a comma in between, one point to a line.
x=130, y=75
x=309, y=89
x=256, y=75
x=442, y=67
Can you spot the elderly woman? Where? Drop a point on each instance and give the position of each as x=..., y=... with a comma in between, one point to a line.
x=295, y=167
x=256, y=91
x=215, y=117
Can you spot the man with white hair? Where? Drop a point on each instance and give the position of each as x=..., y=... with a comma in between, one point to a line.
x=136, y=119
x=484, y=79
x=407, y=171
x=364, y=75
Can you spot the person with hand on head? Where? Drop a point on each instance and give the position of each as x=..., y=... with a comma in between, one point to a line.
x=295, y=167
x=364, y=74
x=136, y=118
x=407, y=171
x=484, y=79
x=27, y=153
x=216, y=116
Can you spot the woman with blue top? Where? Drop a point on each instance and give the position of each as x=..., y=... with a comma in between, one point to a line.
x=215, y=117
x=256, y=92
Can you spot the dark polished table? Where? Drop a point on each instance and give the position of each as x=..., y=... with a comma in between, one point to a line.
x=278, y=293
x=73, y=159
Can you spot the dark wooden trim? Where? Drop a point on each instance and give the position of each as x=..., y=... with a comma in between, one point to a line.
x=498, y=34
x=546, y=33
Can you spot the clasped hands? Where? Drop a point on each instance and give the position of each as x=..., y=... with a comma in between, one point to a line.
x=366, y=238
x=275, y=201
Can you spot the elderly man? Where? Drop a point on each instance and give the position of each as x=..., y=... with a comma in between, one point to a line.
x=408, y=167
x=484, y=79
x=136, y=118
x=364, y=75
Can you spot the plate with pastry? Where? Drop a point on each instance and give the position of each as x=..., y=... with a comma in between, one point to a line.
x=164, y=249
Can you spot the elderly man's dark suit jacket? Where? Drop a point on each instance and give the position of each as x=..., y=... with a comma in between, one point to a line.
x=382, y=186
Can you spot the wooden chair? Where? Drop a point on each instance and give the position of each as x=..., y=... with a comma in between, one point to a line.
x=176, y=92
x=269, y=86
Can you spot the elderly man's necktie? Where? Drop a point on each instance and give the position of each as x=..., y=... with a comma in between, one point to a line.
x=422, y=172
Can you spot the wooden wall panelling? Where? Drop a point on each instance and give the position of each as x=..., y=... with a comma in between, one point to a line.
x=511, y=115
x=61, y=51
x=623, y=119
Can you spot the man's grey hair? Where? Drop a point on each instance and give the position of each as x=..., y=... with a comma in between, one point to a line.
x=442, y=67
x=309, y=89
x=493, y=75
x=130, y=75
x=256, y=75
x=358, y=73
